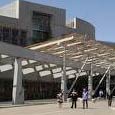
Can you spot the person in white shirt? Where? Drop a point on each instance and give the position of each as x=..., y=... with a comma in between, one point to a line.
x=101, y=93
x=85, y=98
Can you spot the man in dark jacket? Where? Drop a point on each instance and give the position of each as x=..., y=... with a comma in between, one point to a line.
x=74, y=96
x=110, y=97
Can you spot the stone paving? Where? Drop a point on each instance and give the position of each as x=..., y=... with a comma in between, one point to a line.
x=97, y=108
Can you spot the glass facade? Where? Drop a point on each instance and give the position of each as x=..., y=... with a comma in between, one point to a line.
x=40, y=27
x=13, y=36
x=32, y=89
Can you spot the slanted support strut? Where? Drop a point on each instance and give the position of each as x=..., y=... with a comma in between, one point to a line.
x=74, y=82
x=101, y=80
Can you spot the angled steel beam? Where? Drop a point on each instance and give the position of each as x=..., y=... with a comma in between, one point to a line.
x=52, y=43
x=17, y=51
x=101, y=80
x=112, y=90
x=77, y=75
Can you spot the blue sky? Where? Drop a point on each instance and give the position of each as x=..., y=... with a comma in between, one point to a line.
x=101, y=13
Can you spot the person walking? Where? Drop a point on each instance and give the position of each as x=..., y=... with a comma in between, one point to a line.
x=60, y=99
x=110, y=97
x=74, y=96
x=85, y=98
x=101, y=93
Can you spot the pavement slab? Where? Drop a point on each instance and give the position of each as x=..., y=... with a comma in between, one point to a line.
x=97, y=108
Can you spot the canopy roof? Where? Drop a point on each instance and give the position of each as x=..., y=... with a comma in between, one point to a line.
x=48, y=56
x=77, y=48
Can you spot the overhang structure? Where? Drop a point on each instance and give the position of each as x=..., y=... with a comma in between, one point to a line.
x=72, y=52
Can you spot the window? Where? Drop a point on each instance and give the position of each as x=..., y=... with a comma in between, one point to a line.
x=41, y=27
x=39, y=36
x=23, y=38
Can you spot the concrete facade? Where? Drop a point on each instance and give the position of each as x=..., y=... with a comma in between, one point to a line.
x=57, y=17
x=8, y=22
x=82, y=27
x=10, y=10
x=22, y=12
x=19, y=14
x=19, y=21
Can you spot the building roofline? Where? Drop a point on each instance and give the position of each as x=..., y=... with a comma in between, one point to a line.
x=31, y=3
x=41, y=4
x=85, y=21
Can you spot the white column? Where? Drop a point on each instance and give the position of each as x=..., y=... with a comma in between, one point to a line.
x=90, y=84
x=75, y=23
x=18, y=91
x=63, y=78
x=108, y=83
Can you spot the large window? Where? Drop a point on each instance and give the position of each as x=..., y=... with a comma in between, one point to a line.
x=23, y=38
x=13, y=36
x=41, y=26
x=39, y=36
x=6, y=34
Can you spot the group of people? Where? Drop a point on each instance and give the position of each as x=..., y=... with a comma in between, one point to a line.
x=74, y=97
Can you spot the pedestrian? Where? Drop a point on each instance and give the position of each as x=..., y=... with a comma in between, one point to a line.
x=60, y=99
x=74, y=97
x=101, y=93
x=110, y=97
x=85, y=98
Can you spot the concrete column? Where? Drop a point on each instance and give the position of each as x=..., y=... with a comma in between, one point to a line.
x=108, y=83
x=90, y=83
x=18, y=91
x=63, y=78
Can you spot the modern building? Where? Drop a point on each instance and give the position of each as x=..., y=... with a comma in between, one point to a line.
x=83, y=27
x=24, y=23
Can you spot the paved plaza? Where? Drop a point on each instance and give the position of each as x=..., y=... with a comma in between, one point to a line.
x=97, y=108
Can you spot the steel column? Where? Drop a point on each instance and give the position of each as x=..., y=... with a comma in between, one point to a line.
x=90, y=83
x=18, y=91
x=63, y=78
x=108, y=83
